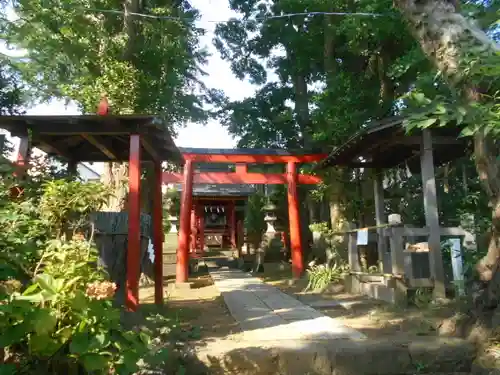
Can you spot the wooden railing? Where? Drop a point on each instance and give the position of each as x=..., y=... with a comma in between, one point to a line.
x=395, y=260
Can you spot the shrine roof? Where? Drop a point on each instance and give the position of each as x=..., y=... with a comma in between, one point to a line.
x=386, y=144
x=95, y=138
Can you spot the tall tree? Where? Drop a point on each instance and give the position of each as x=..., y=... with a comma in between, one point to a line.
x=469, y=61
x=79, y=50
x=330, y=74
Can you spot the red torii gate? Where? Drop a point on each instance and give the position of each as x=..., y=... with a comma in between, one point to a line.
x=240, y=157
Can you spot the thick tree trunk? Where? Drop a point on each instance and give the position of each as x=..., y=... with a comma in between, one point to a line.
x=116, y=176
x=446, y=37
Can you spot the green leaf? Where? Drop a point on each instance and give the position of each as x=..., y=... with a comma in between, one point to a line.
x=427, y=123
x=440, y=109
x=34, y=298
x=79, y=301
x=43, y=345
x=100, y=341
x=80, y=343
x=46, y=282
x=30, y=289
x=44, y=321
x=146, y=339
x=64, y=334
x=14, y=334
x=73, y=281
x=8, y=369
x=467, y=132
x=95, y=362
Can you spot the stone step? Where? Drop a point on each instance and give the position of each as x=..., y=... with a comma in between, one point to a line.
x=338, y=357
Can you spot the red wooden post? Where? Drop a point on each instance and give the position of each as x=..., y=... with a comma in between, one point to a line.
x=232, y=223
x=202, y=228
x=158, y=234
x=182, y=266
x=22, y=162
x=194, y=230
x=134, y=224
x=294, y=219
x=23, y=152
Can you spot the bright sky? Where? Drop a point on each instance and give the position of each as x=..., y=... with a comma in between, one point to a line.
x=211, y=135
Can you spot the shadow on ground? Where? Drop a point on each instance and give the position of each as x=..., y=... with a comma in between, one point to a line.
x=211, y=342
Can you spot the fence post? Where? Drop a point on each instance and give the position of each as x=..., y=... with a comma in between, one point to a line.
x=396, y=243
x=352, y=248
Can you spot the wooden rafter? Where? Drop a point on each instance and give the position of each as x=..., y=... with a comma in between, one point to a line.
x=94, y=140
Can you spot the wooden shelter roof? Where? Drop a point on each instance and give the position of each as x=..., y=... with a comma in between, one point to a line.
x=95, y=138
x=385, y=144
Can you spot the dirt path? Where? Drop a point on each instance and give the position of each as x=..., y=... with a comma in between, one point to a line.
x=200, y=309
x=375, y=319
x=395, y=336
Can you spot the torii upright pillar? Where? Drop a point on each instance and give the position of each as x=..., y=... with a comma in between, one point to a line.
x=182, y=266
x=294, y=219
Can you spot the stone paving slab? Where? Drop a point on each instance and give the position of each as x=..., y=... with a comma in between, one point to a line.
x=265, y=313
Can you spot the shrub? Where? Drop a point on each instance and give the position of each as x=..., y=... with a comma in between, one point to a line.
x=56, y=313
x=323, y=275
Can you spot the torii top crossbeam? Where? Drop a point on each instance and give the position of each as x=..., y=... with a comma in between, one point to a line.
x=244, y=156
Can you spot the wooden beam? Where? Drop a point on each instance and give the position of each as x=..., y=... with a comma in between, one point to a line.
x=240, y=178
x=208, y=198
x=432, y=214
x=94, y=127
x=150, y=149
x=99, y=145
x=380, y=218
x=248, y=158
x=241, y=169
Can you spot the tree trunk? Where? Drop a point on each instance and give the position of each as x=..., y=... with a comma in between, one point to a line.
x=116, y=176
x=446, y=37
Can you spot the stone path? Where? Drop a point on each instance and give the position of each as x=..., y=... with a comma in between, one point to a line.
x=265, y=313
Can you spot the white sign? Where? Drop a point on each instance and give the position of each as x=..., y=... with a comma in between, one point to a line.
x=363, y=237
x=457, y=265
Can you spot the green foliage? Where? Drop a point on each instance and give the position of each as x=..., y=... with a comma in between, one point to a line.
x=144, y=65
x=254, y=217
x=12, y=93
x=56, y=312
x=356, y=67
x=172, y=201
x=322, y=228
x=321, y=276
x=57, y=319
x=65, y=203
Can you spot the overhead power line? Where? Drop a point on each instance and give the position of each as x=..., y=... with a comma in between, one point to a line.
x=258, y=19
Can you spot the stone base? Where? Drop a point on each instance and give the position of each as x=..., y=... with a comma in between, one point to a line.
x=183, y=286
x=200, y=267
x=392, y=291
x=258, y=268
